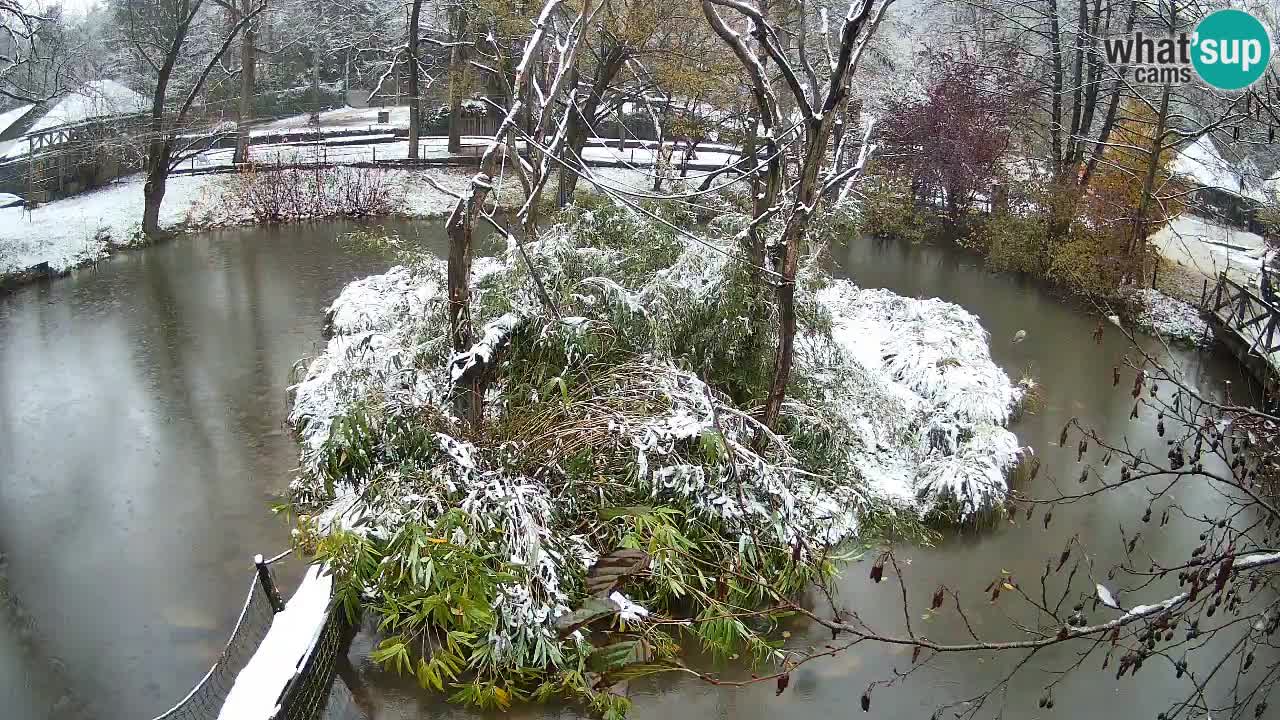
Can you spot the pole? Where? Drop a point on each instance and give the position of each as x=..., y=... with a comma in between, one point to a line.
x=268, y=584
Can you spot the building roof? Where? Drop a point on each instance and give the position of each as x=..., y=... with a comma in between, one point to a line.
x=96, y=99
x=10, y=117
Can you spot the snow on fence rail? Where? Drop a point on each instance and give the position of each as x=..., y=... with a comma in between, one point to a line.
x=279, y=661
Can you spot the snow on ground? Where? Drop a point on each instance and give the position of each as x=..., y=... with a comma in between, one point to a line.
x=1211, y=248
x=1169, y=318
x=341, y=120
x=294, y=631
x=375, y=148
x=83, y=228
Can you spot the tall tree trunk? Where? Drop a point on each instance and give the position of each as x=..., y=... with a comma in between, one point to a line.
x=1055, y=117
x=248, y=77
x=580, y=123
x=457, y=78
x=159, y=150
x=1141, y=221
x=415, y=101
x=315, y=66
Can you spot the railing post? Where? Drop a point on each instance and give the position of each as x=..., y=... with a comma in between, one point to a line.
x=268, y=584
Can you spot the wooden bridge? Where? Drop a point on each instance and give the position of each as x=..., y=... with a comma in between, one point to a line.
x=1249, y=326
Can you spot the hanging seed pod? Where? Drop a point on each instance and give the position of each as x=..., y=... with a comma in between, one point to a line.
x=877, y=570
x=1044, y=700
x=1082, y=449
x=1062, y=438
x=1259, y=709
x=1134, y=542
x=1115, y=375
x=1048, y=516
x=1153, y=390
x=1115, y=635
x=1106, y=459
x=1106, y=660
x=1035, y=469
x=1168, y=636
x=783, y=681
x=995, y=592
x=1133, y=415
x=1224, y=574
x=1030, y=510
x=1212, y=609
x=1062, y=559
x=937, y=598
x=1181, y=668
x=1248, y=662
x=915, y=654
x=1124, y=474
x=866, y=701
x=1160, y=428
x=1084, y=476
x=1146, y=516
x=1235, y=133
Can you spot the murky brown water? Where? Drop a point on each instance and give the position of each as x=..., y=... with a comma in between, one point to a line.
x=142, y=443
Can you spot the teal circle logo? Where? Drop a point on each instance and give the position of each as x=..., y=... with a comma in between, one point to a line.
x=1231, y=49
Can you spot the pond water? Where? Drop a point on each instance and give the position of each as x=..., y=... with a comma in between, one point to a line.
x=143, y=442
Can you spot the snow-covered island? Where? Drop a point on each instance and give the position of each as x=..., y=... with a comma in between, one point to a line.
x=615, y=427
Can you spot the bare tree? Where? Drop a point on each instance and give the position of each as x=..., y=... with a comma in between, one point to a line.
x=34, y=63
x=159, y=34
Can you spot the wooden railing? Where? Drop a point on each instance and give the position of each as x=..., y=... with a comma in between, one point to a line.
x=1242, y=311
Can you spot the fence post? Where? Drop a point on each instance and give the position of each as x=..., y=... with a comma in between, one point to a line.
x=268, y=584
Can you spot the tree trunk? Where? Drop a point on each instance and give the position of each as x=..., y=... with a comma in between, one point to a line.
x=158, y=154
x=580, y=123
x=1140, y=220
x=315, y=68
x=248, y=73
x=415, y=100
x=457, y=79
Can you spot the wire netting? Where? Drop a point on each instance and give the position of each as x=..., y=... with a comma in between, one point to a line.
x=205, y=700
x=305, y=696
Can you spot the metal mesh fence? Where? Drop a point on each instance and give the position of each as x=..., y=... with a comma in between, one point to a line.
x=305, y=695
x=205, y=700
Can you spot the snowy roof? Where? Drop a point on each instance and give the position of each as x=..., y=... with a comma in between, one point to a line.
x=10, y=117
x=99, y=98
x=1202, y=162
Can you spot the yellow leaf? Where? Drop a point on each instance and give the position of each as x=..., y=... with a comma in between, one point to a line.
x=437, y=541
x=1006, y=586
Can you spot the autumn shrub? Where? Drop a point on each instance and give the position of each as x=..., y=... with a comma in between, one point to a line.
x=274, y=194
x=888, y=209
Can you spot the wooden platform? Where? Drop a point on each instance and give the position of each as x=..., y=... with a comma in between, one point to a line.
x=1248, y=326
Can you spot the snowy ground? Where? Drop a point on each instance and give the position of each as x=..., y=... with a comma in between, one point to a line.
x=377, y=148
x=1211, y=248
x=82, y=229
x=1169, y=317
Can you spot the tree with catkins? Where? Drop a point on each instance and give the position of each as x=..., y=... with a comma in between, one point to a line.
x=1223, y=591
